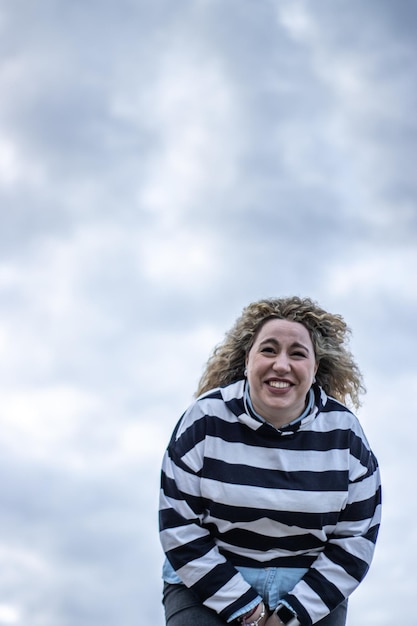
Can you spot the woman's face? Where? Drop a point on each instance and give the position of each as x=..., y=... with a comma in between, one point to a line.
x=281, y=366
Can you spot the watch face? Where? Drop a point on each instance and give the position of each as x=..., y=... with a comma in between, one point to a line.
x=285, y=615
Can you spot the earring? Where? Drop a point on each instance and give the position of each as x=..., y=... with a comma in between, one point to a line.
x=245, y=373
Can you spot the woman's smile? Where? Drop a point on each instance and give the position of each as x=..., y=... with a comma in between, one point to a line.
x=279, y=384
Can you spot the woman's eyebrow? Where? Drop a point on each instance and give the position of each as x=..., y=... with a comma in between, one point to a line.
x=270, y=340
x=295, y=344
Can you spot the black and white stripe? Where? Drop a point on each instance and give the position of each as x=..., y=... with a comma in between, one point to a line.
x=238, y=492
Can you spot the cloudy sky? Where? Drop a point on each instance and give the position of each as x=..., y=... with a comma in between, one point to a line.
x=162, y=164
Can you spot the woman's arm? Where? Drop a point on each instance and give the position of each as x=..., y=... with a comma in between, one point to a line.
x=189, y=546
x=343, y=564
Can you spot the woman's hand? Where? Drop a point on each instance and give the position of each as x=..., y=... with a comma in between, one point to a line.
x=270, y=619
x=255, y=617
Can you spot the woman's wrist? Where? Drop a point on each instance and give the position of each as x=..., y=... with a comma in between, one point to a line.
x=249, y=614
x=253, y=617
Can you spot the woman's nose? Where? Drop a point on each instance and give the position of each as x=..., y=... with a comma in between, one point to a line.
x=281, y=363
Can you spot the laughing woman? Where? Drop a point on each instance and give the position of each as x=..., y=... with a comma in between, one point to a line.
x=270, y=493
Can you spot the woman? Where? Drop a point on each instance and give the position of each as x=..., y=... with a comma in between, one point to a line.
x=270, y=498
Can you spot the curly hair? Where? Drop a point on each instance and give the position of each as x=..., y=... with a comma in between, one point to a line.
x=337, y=372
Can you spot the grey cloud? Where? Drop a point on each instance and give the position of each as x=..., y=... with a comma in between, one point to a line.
x=132, y=132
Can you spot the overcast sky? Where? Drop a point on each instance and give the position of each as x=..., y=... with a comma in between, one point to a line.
x=163, y=164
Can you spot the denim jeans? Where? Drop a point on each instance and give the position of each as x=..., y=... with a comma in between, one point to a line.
x=182, y=608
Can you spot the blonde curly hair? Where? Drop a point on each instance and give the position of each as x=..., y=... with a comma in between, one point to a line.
x=337, y=372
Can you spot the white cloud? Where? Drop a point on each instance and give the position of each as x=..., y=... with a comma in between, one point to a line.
x=365, y=109
x=296, y=20
x=18, y=166
x=13, y=168
x=378, y=273
x=179, y=257
x=20, y=564
x=162, y=370
x=195, y=118
x=388, y=416
x=42, y=423
x=9, y=614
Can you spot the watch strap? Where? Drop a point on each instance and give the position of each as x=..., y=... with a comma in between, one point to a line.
x=287, y=617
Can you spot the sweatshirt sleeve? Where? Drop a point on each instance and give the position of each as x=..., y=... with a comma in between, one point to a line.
x=188, y=545
x=346, y=558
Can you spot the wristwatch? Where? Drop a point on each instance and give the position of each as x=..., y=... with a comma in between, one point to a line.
x=287, y=617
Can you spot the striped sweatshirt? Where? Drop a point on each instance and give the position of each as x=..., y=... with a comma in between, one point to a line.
x=236, y=491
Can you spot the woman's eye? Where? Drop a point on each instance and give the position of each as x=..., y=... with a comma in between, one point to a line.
x=268, y=349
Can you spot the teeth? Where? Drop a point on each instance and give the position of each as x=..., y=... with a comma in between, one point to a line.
x=279, y=384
